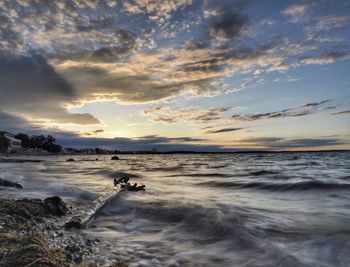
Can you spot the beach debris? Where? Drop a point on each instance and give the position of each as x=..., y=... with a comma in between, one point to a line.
x=125, y=185
x=9, y=184
x=68, y=160
x=115, y=158
x=82, y=220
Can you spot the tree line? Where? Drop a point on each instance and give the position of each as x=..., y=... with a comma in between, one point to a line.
x=34, y=142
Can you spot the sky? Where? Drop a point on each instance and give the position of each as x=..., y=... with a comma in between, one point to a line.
x=211, y=75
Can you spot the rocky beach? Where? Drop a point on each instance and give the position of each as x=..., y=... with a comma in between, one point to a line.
x=32, y=231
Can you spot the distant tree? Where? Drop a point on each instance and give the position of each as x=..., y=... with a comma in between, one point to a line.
x=24, y=138
x=49, y=143
x=4, y=144
x=56, y=148
x=37, y=141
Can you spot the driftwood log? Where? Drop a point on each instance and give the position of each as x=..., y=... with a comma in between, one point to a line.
x=90, y=212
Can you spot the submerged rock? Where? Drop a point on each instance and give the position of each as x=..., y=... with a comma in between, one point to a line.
x=9, y=184
x=115, y=158
x=68, y=160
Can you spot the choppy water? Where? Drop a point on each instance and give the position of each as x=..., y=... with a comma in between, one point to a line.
x=290, y=209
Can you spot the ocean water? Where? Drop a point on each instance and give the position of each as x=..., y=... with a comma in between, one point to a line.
x=285, y=209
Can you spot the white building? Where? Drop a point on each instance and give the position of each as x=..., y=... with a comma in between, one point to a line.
x=14, y=144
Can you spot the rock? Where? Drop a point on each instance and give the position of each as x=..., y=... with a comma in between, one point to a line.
x=68, y=160
x=115, y=158
x=9, y=184
x=55, y=206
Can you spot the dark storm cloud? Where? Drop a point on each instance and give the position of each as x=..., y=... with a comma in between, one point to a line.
x=299, y=111
x=286, y=143
x=223, y=130
x=30, y=85
x=227, y=25
x=11, y=123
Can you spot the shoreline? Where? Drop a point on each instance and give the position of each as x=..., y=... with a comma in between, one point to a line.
x=32, y=233
x=173, y=152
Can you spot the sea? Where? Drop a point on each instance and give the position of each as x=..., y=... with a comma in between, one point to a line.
x=249, y=209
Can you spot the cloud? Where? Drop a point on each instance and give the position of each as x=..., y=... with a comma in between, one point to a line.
x=299, y=111
x=30, y=85
x=296, y=13
x=289, y=143
x=98, y=131
x=12, y=123
x=227, y=25
x=196, y=115
x=145, y=143
x=325, y=58
x=167, y=73
x=223, y=130
x=159, y=10
x=15, y=124
x=326, y=23
x=67, y=29
x=114, y=51
x=344, y=112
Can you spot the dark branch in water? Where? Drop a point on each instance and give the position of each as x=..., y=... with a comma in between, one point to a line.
x=91, y=211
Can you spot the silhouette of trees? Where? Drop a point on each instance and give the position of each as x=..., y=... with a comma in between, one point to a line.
x=35, y=142
x=4, y=144
x=24, y=138
x=46, y=143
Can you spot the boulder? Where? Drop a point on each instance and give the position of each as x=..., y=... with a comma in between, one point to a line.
x=70, y=160
x=55, y=206
x=115, y=158
x=9, y=184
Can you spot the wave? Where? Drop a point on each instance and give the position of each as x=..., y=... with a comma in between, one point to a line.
x=263, y=172
x=215, y=174
x=305, y=163
x=219, y=166
x=114, y=174
x=308, y=185
x=165, y=169
x=209, y=223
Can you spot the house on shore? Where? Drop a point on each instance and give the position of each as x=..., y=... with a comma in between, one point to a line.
x=13, y=144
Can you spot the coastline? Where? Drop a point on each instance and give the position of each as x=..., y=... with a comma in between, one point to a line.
x=32, y=234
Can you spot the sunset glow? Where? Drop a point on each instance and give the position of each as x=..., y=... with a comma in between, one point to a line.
x=177, y=75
